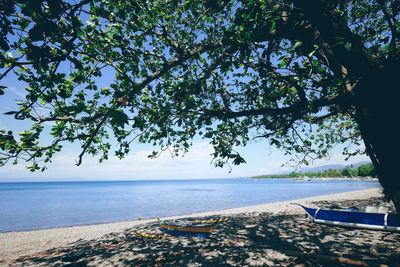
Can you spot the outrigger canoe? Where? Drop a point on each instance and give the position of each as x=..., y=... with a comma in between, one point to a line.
x=201, y=230
x=351, y=218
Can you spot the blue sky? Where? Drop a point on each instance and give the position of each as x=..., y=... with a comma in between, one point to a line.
x=260, y=157
x=196, y=164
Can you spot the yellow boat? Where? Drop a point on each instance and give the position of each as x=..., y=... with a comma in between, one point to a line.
x=202, y=230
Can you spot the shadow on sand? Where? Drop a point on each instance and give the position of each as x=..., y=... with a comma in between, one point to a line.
x=244, y=240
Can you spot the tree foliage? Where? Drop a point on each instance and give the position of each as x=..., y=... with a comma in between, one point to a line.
x=366, y=170
x=226, y=71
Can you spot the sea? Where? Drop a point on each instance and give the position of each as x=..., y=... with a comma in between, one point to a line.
x=42, y=205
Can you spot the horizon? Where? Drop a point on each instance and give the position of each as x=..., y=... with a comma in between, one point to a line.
x=126, y=179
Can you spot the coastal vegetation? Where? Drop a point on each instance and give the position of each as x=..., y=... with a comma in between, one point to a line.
x=305, y=75
x=366, y=170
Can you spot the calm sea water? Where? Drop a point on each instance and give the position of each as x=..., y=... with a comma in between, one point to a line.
x=27, y=206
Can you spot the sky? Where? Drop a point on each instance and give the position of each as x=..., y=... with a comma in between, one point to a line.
x=261, y=158
x=196, y=164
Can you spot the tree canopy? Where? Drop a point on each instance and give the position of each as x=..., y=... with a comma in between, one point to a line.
x=292, y=72
x=365, y=170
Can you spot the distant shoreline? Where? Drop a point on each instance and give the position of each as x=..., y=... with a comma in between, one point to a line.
x=348, y=179
x=363, y=171
x=323, y=178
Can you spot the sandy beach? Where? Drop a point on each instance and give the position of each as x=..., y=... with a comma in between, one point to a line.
x=261, y=235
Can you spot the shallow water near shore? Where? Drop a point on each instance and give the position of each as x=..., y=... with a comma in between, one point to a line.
x=41, y=205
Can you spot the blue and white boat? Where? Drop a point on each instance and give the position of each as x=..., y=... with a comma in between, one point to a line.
x=353, y=217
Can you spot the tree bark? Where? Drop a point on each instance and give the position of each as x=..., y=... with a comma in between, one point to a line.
x=377, y=117
x=374, y=96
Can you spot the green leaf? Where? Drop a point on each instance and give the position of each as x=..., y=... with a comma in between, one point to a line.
x=272, y=26
x=118, y=118
x=347, y=46
x=75, y=109
x=297, y=44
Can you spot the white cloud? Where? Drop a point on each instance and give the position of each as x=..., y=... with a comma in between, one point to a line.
x=340, y=159
x=17, y=92
x=337, y=157
x=196, y=164
x=273, y=167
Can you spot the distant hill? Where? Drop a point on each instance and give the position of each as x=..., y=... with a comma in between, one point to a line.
x=332, y=166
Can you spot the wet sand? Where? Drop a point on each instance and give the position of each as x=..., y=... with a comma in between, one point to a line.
x=262, y=235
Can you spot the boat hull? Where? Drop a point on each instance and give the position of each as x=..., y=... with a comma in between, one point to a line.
x=366, y=220
x=195, y=230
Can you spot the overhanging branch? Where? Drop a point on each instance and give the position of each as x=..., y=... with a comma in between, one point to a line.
x=293, y=110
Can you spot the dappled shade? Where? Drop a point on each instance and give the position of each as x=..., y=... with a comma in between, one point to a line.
x=245, y=239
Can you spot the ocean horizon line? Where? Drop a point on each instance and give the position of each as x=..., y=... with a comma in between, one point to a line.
x=23, y=180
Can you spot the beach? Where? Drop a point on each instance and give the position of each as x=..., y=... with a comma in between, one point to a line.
x=263, y=235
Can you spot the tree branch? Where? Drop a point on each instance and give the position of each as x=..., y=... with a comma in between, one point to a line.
x=395, y=33
x=295, y=110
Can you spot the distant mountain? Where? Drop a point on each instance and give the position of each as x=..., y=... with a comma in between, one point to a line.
x=332, y=166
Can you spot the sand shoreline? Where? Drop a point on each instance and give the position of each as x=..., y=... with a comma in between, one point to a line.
x=15, y=244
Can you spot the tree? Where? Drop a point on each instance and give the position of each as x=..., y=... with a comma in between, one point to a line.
x=366, y=170
x=305, y=75
x=346, y=172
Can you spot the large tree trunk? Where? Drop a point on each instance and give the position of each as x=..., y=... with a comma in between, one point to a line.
x=375, y=95
x=377, y=115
